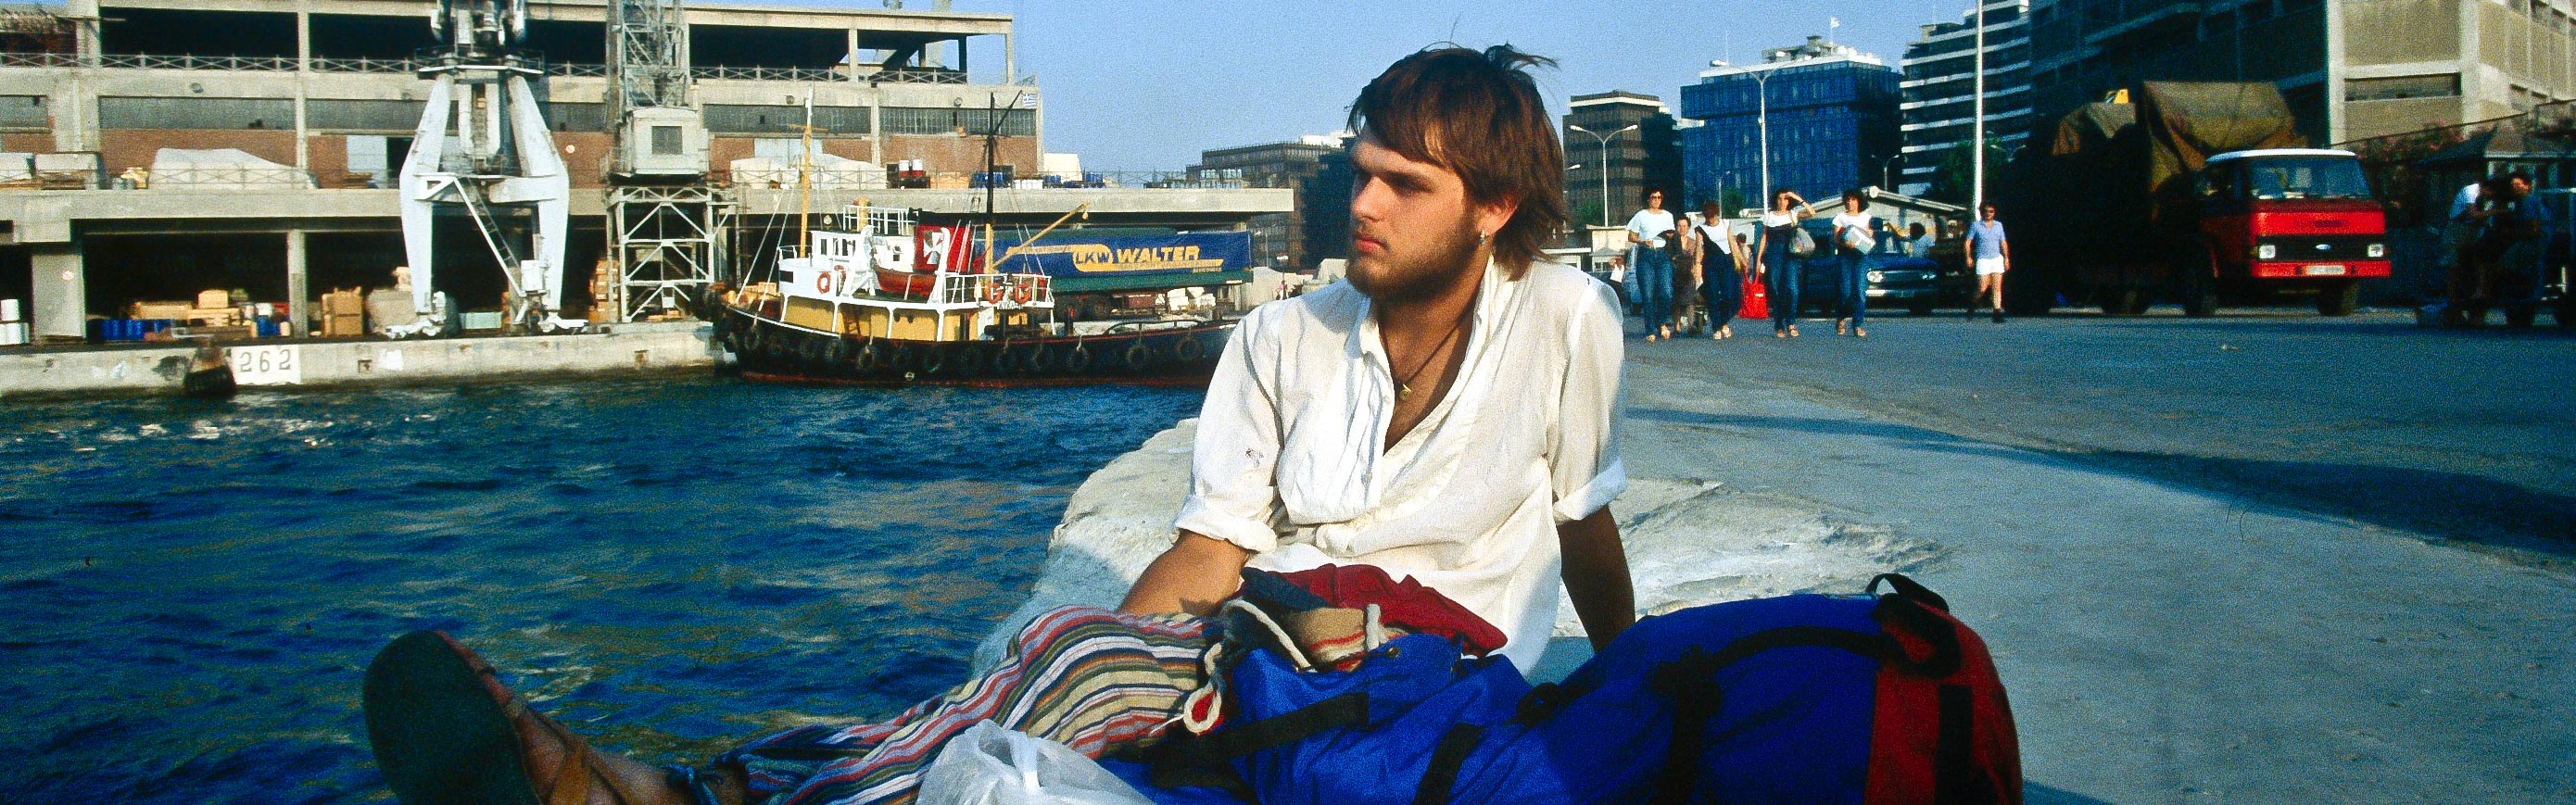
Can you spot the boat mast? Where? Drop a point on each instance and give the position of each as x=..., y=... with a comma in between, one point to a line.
x=805, y=175
x=992, y=158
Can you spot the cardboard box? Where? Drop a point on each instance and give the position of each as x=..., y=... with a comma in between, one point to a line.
x=344, y=325
x=210, y=316
x=157, y=310
x=214, y=298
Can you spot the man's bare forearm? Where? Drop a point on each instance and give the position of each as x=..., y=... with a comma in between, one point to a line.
x=1194, y=575
x=1596, y=576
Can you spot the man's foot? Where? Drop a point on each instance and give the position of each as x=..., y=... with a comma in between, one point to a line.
x=1650, y=337
x=1793, y=331
x=446, y=732
x=1842, y=327
x=1999, y=315
x=1859, y=333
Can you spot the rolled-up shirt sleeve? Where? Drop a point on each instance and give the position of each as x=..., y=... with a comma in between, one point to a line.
x=1234, y=493
x=1583, y=461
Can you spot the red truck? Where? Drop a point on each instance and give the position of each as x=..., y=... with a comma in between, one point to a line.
x=2200, y=193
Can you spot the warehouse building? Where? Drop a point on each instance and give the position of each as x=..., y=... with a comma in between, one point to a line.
x=160, y=147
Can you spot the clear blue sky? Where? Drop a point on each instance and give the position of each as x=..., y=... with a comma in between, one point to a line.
x=1148, y=85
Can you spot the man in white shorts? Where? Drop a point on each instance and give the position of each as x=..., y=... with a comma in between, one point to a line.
x=1991, y=254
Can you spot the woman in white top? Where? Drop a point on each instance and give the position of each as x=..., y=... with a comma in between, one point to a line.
x=1854, y=237
x=1721, y=282
x=1654, y=268
x=1777, y=268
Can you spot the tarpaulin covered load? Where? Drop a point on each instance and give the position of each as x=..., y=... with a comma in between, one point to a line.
x=2187, y=123
x=1063, y=256
x=222, y=169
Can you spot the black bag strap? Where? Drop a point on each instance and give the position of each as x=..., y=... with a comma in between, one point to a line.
x=1690, y=682
x=1200, y=760
x=1446, y=758
x=1916, y=610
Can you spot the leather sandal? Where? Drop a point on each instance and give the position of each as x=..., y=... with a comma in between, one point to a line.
x=445, y=732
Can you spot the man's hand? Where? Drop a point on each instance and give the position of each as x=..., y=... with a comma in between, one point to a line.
x=1194, y=575
x=1596, y=576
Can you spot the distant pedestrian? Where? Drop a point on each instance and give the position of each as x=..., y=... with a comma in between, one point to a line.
x=1991, y=253
x=1721, y=276
x=2502, y=264
x=1685, y=250
x=1854, y=238
x=1777, y=265
x=1653, y=269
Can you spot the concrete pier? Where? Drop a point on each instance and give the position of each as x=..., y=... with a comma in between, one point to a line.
x=287, y=363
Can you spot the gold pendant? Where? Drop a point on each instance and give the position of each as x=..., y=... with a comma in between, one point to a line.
x=1401, y=390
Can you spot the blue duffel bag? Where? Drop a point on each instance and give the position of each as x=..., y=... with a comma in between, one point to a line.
x=1807, y=698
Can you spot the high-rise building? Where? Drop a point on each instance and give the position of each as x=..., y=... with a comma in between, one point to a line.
x=1318, y=167
x=1832, y=113
x=1940, y=97
x=2351, y=69
x=1630, y=161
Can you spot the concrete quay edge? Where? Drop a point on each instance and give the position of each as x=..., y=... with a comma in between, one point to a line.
x=34, y=373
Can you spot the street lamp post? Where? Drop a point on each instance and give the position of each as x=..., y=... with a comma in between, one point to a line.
x=1762, y=119
x=1605, y=164
x=1886, y=172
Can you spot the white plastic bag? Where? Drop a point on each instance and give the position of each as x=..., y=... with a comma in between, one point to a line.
x=989, y=765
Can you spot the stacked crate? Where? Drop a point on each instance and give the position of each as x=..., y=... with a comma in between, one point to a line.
x=344, y=314
x=13, y=324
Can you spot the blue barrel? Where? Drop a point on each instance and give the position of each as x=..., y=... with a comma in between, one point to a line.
x=152, y=326
x=98, y=333
x=267, y=327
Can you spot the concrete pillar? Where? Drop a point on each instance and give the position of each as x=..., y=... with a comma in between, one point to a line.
x=853, y=51
x=303, y=70
x=60, y=306
x=876, y=125
x=299, y=286
x=1010, y=60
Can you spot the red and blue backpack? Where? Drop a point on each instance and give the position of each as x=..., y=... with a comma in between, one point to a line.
x=1877, y=698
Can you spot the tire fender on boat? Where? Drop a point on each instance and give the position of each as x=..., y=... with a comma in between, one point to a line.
x=1036, y=361
x=931, y=360
x=1189, y=350
x=1139, y=357
x=869, y=357
x=1078, y=360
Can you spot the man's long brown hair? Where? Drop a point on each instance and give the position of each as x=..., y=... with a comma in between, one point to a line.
x=1477, y=115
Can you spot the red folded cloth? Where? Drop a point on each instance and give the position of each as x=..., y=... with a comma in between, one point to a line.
x=1406, y=604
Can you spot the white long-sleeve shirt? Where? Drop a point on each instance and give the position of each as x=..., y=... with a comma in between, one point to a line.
x=1288, y=464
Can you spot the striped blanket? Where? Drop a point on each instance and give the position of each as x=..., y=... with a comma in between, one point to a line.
x=1090, y=679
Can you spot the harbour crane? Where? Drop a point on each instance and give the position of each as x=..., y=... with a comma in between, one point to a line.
x=667, y=226
x=483, y=146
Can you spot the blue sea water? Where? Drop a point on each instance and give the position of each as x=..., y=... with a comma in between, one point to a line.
x=190, y=591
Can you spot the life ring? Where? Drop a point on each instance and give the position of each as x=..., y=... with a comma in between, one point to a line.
x=822, y=283
x=1021, y=294
x=994, y=291
x=1189, y=350
x=1139, y=357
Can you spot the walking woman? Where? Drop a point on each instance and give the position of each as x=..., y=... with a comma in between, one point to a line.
x=1852, y=241
x=1653, y=268
x=1777, y=267
x=1991, y=253
x=1721, y=270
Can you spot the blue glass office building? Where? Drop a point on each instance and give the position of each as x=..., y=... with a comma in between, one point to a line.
x=1834, y=124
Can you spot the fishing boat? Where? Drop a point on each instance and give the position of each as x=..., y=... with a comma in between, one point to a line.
x=875, y=297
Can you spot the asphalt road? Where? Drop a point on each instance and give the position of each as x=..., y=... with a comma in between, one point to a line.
x=2452, y=434
x=2184, y=541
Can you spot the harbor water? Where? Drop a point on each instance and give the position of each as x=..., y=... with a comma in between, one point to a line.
x=669, y=565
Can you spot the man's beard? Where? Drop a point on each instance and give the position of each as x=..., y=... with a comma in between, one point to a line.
x=1391, y=278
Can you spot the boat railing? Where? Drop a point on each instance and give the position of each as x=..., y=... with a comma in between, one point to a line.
x=1156, y=326
x=1005, y=290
